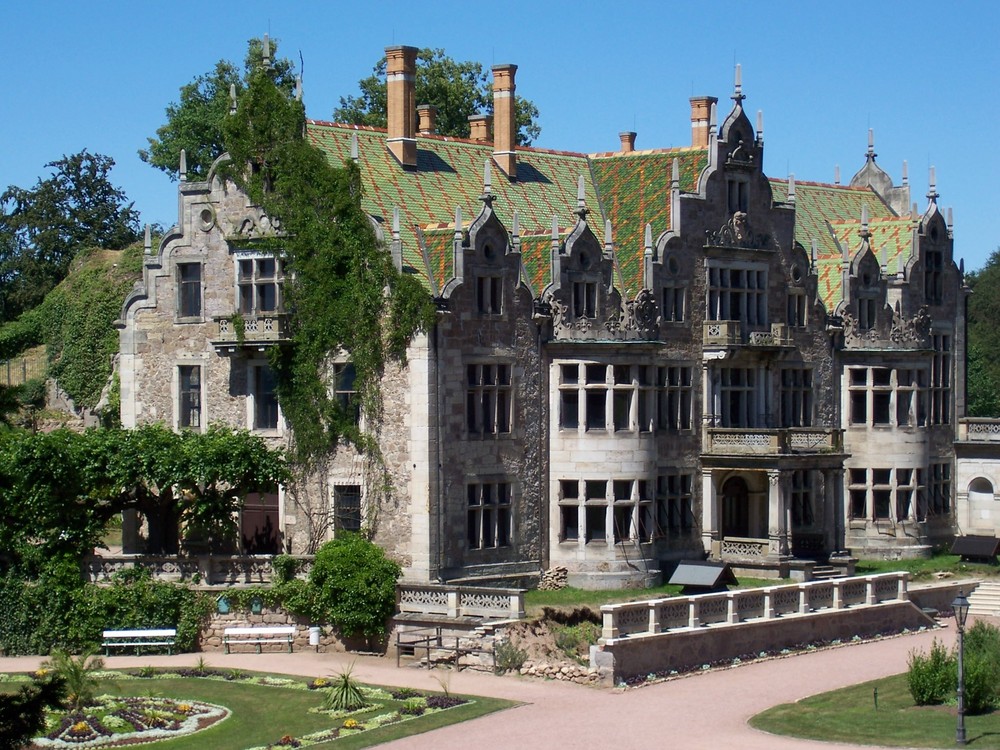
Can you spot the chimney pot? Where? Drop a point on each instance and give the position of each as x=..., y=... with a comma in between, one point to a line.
x=628, y=141
x=701, y=110
x=480, y=128
x=400, y=74
x=427, y=118
x=505, y=134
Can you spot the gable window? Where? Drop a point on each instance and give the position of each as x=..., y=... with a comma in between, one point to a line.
x=489, y=295
x=259, y=284
x=189, y=396
x=347, y=507
x=264, y=398
x=796, y=308
x=674, y=302
x=738, y=193
x=489, y=515
x=933, y=277
x=488, y=399
x=189, y=290
x=585, y=299
x=344, y=390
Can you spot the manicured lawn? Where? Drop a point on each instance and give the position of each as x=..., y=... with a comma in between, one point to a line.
x=923, y=569
x=263, y=714
x=849, y=715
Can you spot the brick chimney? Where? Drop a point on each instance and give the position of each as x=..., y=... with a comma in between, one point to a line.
x=505, y=131
x=701, y=111
x=427, y=119
x=628, y=141
x=400, y=74
x=480, y=128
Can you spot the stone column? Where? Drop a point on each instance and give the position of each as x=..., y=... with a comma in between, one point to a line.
x=710, y=536
x=777, y=514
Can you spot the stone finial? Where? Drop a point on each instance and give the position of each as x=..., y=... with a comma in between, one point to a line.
x=298, y=88
x=515, y=229
x=395, y=222
x=487, y=178
x=864, y=221
x=948, y=220
x=184, y=166
x=354, y=147
x=906, y=173
x=813, y=253
x=914, y=212
x=870, y=153
x=232, y=98
x=932, y=193
x=147, y=241
x=885, y=258
x=961, y=266
x=675, y=173
x=836, y=174
x=738, y=96
x=267, y=52
x=555, y=232
x=458, y=222
x=760, y=125
x=647, y=240
x=791, y=188
x=608, y=239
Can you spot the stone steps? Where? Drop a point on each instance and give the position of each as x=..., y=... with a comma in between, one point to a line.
x=826, y=572
x=985, y=600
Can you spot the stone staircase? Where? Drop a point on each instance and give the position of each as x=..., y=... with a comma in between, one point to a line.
x=826, y=572
x=985, y=600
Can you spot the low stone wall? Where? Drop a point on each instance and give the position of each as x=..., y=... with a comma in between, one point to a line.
x=210, y=638
x=685, y=649
x=940, y=595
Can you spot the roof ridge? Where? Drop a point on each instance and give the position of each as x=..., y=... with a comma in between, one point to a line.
x=646, y=152
x=812, y=183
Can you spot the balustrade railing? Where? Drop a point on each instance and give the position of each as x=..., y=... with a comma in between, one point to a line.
x=731, y=607
x=211, y=570
x=979, y=430
x=459, y=601
x=764, y=441
x=252, y=329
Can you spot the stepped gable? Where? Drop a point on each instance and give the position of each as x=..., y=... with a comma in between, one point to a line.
x=635, y=191
x=831, y=215
x=449, y=173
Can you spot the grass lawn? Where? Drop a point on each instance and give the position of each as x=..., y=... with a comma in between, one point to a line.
x=849, y=715
x=262, y=714
x=923, y=569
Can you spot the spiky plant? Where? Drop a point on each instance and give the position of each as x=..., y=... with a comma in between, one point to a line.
x=345, y=693
x=79, y=673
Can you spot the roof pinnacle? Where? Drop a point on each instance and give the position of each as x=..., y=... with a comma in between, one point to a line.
x=738, y=96
x=870, y=153
x=932, y=193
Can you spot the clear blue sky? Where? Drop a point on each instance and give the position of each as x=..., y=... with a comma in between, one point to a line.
x=921, y=74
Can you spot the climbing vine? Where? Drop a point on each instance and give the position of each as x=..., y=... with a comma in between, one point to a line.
x=343, y=293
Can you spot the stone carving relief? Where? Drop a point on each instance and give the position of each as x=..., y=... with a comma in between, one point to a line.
x=737, y=233
x=254, y=224
x=903, y=333
x=916, y=330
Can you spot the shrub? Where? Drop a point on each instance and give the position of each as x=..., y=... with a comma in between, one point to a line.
x=345, y=693
x=575, y=640
x=508, y=656
x=355, y=584
x=931, y=678
x=284, y=567
x=79, y=676
x=980, y=683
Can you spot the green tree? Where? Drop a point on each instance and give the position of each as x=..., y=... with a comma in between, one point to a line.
x=356, y=585
x=340, y=287
x=79, y=675
x=983, y=377
x=194, y=123
x=22, y=714
x=457, y=89
x=43, y=228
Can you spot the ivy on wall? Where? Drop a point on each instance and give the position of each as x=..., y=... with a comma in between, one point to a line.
x=342, y=291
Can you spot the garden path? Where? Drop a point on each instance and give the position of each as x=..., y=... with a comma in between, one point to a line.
x=704, y=710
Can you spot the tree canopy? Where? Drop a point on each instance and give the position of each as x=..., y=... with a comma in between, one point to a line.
x=983, y=397
x=194, y=123
x=44, y=227
x=457, y=89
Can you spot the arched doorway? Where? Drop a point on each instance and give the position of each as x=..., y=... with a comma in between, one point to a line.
x=735, y=508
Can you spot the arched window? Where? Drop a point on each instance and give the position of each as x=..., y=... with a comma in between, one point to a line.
x=981, y=488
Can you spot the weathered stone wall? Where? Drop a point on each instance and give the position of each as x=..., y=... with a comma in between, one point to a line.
x=210, y=638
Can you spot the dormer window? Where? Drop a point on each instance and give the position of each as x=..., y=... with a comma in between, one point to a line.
x=489, y=295
x=739, y=194
x=933, y=281
x=585, y=299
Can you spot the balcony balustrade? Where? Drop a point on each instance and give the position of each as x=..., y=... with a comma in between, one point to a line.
x=250, y=331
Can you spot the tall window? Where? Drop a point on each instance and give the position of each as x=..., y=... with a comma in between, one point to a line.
x=488, y=399
x=941, y=380
x=345, y=390
x=489, y=295
x=884, y=494
x=674, y=398
x=885, y=396
x=796, y=398
x=867, y=310
x=585, y=299
x=265, y=398
x=189, y=290
x=796, y=313
x=739, y=195
x=738, y=403
x=939, y=488
x=738, y=294
x=259, y=283
x=347, y=507
x=489, y=515
x=189, y=396
x=933, y=277
x=674, y=513
x=674, y=302
x=569, y=510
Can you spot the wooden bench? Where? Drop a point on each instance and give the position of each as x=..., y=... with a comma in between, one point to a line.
x=139, y=638
x=258, y=634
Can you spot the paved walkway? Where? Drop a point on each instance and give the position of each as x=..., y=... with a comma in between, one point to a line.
x=708, y=710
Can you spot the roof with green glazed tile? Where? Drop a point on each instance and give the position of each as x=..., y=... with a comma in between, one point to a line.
x=831, y=215
x=635, y=191
x=449, y=173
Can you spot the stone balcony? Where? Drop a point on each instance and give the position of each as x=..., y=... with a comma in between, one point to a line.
x=257, y=332
x=731, y=333
x=978, y=431
x=727, y=441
